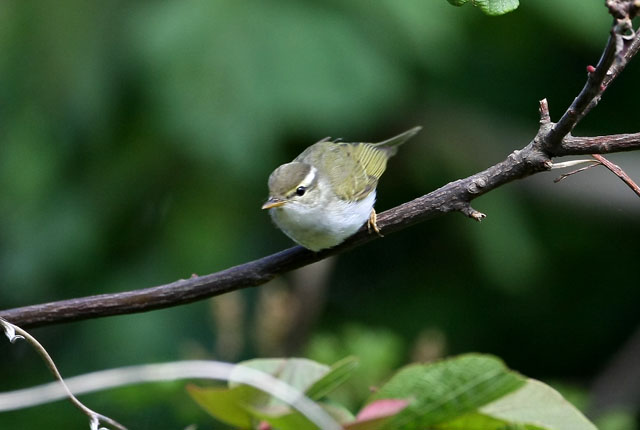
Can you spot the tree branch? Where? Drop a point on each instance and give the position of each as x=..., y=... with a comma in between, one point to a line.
x=572, y=145
x=552, y=140
x=622, y=45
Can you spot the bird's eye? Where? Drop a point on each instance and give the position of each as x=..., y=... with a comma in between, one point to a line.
x=301, y=190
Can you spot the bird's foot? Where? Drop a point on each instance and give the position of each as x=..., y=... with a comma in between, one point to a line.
x=372, y=223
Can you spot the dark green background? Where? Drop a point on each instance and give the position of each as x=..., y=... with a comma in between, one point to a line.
x=136, y=139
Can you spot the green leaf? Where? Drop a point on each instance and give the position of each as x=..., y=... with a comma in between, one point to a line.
x=475, y=421
x=240, y=405
x=490, y=7
x=445, y=390
x=337, y=375
x=224, y=404
x=339, y=413
x=284, y=418
x=538, y=404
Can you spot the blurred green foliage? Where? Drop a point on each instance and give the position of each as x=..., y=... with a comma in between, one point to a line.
x=136, y=139
x=378, y=352
x=470, y=391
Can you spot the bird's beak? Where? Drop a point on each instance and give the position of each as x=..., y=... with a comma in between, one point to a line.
x=273, y=203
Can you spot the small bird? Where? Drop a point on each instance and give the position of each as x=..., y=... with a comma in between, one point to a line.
x=328, y=191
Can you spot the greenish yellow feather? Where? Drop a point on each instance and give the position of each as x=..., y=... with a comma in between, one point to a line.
x=353, y=169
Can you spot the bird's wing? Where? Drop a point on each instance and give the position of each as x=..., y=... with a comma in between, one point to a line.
x=353, y=169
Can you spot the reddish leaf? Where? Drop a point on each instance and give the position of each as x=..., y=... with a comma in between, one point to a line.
x=381, y=408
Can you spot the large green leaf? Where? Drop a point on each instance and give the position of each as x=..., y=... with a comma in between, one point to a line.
x=284, y=418
x=476, y=421
x=540, y=405
x=490, y=7
x=225, y=404
x=443, y=391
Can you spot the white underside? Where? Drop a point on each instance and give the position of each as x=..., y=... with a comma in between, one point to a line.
x=322, y=226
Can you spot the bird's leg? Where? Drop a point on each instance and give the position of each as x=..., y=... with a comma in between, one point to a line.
x=372, y=223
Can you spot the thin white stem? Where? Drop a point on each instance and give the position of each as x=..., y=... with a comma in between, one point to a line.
x=14, y=333
x=195, y=369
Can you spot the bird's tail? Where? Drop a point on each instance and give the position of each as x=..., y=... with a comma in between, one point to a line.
x=391, y=145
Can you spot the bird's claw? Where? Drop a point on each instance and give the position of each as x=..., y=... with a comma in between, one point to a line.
x=373, y=224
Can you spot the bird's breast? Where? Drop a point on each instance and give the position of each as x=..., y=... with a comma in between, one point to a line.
x=323, y=226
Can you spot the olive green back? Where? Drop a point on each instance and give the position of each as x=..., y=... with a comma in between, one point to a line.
x=353, y=169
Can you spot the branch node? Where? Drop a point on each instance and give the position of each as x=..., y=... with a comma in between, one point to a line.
x=472, y=213
x=477, y=185
x=622, y=10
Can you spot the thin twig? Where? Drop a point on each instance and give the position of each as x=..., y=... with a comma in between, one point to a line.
x=619, y=49
x=616, y=170
x=591, y=91
x=14, y=332
x=573, y=172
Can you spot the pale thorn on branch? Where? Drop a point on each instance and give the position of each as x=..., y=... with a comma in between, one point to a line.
x=572, y=163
